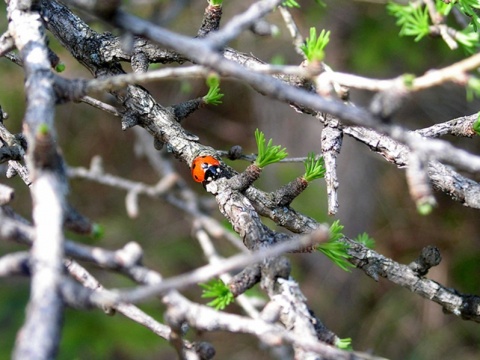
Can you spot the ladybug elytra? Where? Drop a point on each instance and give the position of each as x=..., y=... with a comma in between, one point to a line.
x=206, y=169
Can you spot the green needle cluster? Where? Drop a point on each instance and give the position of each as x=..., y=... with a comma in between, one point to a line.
x=215, y=2
x=291, y=4
x=344, y=344
x=468, y=8
x=413, y=20
x=220, y=293
x=98, y=231
x=473, y=88
x=214, y=95
x=365, y=240
x=268, y=153
x=476, y=125
x=314, y=46
x=314, y=168
x=335, y=249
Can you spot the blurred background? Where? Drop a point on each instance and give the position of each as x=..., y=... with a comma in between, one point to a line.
x=379, y=317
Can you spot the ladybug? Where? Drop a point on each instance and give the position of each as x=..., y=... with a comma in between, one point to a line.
x=206, y=169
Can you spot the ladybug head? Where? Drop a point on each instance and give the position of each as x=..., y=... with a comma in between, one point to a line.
x=212, y=172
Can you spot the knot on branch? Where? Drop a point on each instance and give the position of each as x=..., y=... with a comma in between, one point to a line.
x=129, y=120
x=204, y=350
x=235, y=152
x=470, y=307
x=429, y=257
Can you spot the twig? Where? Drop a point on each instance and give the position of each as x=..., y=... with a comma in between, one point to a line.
x=14, y=264
x=206, y=272
x=332, y=136
x=204, y=318
x=293, y=29
x=6, y=43
x=128, y=310
x=462, y=126
x=418, y=184
x=121, y=81
x=214, y=258
x=442, y=177
x=453, y=73
x=463, y=305
x=100, y=105
x=241, y=22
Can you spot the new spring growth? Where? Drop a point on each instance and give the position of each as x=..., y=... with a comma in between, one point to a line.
x=468, y=39
x=215, y=2
x=344, y=344
x=473, y=88
x=314, y=168
x=476, y=125
x=413, y=20
x=365, y=240
x=468, y=7
x=291, y=4
x=335, y=249
x=424, y=208
x=43, y=129
x=60, y=67
x=267, y=153
x=314, y=46
x=214, y=95
x=220, y=293
x=408, y=80
x=98, y=231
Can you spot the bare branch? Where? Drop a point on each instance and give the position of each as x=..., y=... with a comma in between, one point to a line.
x=40, y=335
x=208, y=271
x=15, y=264
x=463, y=305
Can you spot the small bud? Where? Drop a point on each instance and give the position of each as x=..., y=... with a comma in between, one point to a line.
x=235, y=152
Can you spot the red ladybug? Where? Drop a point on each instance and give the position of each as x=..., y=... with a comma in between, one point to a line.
x=206, y=169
